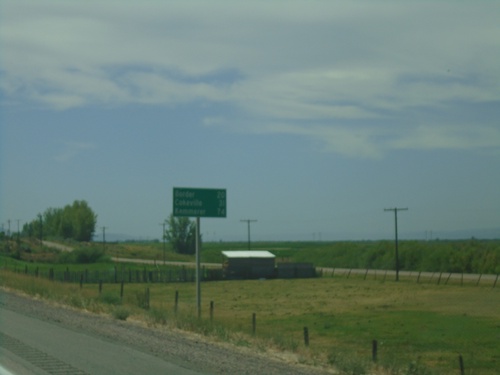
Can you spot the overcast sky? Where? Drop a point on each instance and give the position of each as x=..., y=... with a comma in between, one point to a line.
x=314, y=115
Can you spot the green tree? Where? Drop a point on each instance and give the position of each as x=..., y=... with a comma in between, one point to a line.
x=76, y=221
x=181, y=233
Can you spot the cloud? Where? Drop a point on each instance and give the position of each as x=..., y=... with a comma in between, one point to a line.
x=338, y=72
x=72, y=149
x=449, y=137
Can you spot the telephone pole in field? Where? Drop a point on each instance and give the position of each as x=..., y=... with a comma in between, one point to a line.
x=396, y=235
x=104, y=238
x=248, y=221
x=163, y=237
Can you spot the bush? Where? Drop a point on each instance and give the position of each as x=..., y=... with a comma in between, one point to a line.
x=121, y=313
x=110, y=298
x=157, y=316
x=84, y=256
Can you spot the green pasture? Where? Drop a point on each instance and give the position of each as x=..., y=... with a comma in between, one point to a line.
x=420, y=328
x=457, y=256
x=467, y=256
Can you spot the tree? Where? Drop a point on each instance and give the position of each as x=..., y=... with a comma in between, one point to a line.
x=82, y=220
x=181, y=233
x=76, y=221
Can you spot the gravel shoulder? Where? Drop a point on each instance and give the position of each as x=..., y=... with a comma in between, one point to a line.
x=188, y=350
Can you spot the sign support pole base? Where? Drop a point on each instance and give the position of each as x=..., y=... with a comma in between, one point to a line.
x=198, y=276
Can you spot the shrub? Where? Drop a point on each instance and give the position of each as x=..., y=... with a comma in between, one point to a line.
x=157, y=316
x=121, y=313
x=83, y=256
x=110, y=298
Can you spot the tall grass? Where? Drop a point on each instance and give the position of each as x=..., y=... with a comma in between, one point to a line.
x=420, y=328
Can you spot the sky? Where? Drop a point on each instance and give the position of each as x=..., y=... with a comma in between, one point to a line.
x=315, y=116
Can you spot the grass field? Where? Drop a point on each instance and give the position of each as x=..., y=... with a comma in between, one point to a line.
x=420, y=328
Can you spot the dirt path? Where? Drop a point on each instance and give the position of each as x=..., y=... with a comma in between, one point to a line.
x=57, y=246
x=160, y=262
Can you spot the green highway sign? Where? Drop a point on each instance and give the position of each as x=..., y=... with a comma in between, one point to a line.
x=194, y=202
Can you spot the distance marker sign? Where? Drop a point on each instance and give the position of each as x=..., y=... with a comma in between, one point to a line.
x=192, y=202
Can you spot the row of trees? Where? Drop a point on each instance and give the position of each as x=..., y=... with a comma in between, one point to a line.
x=76, y=221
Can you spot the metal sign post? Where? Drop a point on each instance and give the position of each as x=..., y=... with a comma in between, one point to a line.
x=198, y=281
x=194, y=202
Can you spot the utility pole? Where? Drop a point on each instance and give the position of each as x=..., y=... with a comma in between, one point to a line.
x=248, y=221
x=41, y=229
x=104, y=238
x=396, y=235
x=163, y=237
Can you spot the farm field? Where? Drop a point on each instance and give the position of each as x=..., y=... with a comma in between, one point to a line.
x=420, y=328
x=457, y=256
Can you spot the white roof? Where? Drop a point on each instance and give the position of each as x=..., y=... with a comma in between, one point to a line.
x=248, y=254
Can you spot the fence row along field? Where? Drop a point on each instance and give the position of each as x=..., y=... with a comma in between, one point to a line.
x=188, y=274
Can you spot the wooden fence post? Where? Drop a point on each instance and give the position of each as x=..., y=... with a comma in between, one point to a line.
x=121, y=290
x=254, y=324
x=418, y=277
x=176, y=301
x=211, y=311
x=461, y=364
x=100, y=286
x=81, y=280
x=147, y=298
x=374, y=350
x=306, y=336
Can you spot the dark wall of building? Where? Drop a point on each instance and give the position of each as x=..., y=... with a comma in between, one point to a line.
x=249, y=268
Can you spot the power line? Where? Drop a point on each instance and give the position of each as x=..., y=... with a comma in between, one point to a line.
x=248, y=221
x=395, y=209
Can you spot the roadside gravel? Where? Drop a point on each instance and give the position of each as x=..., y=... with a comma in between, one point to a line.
x=189, y=350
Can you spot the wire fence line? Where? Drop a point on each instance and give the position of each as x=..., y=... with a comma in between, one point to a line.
x=417, y=276
x=118, y=275
x=188, y=274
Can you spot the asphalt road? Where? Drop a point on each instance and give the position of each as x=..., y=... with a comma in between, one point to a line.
x=32, y=346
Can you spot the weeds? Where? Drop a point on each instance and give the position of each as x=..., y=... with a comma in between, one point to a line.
x=110, y=298
x=121, y=313
x=347, y=363
x=157, y=316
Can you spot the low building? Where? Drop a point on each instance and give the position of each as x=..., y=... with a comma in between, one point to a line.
x=295, y=270
x=251, y=264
